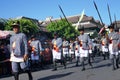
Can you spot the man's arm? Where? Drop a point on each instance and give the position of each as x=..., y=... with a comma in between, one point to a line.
x=10, y=45
x=26, y=47
x=40, y=47
x=59, y=44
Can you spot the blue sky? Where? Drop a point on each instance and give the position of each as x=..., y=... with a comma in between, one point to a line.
x=40, y=9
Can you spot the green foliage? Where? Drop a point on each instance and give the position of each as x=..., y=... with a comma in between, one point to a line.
x=94, y=35
x=63, y=28
x=2, y=23
x=26, y=26
x=2, y=26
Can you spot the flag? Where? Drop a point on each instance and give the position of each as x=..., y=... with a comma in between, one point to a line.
x=101, y=30
x=80, y=19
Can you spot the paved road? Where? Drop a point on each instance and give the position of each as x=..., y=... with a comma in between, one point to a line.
x=102, y=71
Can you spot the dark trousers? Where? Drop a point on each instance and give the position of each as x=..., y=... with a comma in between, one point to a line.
x=16, y=75
x=77, y=60
x=115, y=61
x=105, y=55
x=72, y=56
x=83, y=59
x=16, y=66
x=62, y=61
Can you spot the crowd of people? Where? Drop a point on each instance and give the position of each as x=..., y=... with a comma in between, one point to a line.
x=24, y=54
x=5, y=68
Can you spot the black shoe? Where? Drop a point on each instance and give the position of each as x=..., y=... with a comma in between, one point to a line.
x=76, y=65
x=29, y=75
x=117, y=67
x=83, y=69
x=30, y=78
x=54, y=69
x=64, y=67
x=16, y=76
x=114, y=69
x=91, y=66
x=104, y=59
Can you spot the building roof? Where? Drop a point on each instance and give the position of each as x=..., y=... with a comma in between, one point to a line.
x=87, y=21
x=71, y=19
x=90, y=25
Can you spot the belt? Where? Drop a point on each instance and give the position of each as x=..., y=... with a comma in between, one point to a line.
x=17, y=55
x=114, y=39
x=84, y=42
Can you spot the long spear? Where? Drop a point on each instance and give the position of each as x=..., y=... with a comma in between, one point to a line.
x=50, y=20
x=103, y=28
x=98, y=12
x=63, y=14
x=61, y=17
x=109, y=14
x=115, y=21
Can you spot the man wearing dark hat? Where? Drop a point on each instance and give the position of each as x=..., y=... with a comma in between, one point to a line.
x=114, y=40
x=85, y=45
x=57, y=50
x=36, y=51
x=19, y=52
x=104, y=47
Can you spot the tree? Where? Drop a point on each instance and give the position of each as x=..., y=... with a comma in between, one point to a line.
x=26, y=26
x=2, y=23
x=63, y=28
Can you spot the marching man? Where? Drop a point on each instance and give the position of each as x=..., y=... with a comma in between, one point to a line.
x=57, y=51
x=105, y=47
x=19, y=52
x=36, y=51
x=77, y=54
x=71, y=50
x=85, y=45
x=65, y=49
x=114, y=41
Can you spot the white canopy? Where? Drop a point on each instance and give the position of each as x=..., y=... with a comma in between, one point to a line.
x=4, y=34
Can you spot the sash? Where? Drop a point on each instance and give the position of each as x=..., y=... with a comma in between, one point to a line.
x=103, y=43
x=55, y=46
x=110, y=40
x=76, y=47
x=81, y=43
x=33, y=50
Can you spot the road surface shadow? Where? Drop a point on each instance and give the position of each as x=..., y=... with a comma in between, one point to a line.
x=102, y=65
x=56, y=76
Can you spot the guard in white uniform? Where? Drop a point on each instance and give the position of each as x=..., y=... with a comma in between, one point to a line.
x=57, y=51
x=118, y=32
x=19, y=52
x=71, y=50
x=85, y=45
x=77, y=54
x=114, y=41
x=36, y=51
x=104, y=44
x=65, y=49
